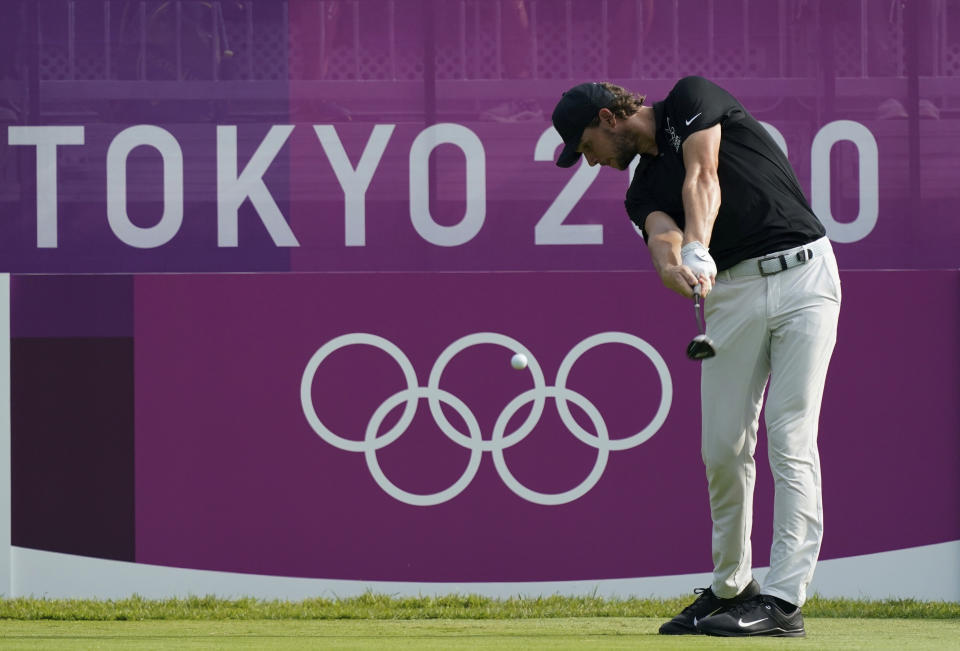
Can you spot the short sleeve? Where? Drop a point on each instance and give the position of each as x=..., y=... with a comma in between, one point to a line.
x=638, y=209
x=697, y=103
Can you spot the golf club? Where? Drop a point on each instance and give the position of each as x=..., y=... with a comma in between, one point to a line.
x=701, y=347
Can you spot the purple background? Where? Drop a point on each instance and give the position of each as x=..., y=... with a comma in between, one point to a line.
x=482, y=64
x=230, y=476
x=180, y=430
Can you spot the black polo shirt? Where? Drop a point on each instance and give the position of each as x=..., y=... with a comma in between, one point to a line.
x=762, y=208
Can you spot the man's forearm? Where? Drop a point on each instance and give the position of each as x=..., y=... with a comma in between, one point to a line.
x=664, y=242
x=701, y=201
x=665, y=250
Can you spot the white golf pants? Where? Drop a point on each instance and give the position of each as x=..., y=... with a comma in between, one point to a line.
x=780, y=327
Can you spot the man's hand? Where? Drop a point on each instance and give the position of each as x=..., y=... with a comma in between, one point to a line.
x=664, y=240
x=681, y=279
x=695, y=256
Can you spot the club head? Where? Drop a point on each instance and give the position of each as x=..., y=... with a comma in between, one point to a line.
x=700, y=348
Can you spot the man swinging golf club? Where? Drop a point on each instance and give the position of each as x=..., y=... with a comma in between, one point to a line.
x=722, y=213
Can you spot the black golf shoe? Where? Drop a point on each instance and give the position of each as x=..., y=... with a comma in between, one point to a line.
x=705, y=605
x=755, y=617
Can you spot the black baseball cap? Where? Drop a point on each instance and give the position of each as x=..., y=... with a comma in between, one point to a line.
x=574, y=112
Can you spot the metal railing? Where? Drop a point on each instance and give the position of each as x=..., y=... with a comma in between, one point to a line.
x=561, y=37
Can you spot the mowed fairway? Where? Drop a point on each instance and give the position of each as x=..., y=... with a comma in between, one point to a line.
x=550, y=633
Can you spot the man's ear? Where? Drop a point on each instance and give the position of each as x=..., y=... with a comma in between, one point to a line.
x=607, y=117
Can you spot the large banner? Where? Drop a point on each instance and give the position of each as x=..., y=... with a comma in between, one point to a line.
x=268, y=262
x=370, y=426
x=414, y=135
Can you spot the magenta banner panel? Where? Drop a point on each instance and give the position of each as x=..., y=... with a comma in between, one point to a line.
x=414, y=135
x=270, y=260
x=369, y=426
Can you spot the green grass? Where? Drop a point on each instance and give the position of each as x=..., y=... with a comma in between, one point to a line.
x=374, y=621
x=556, y=634
x=376, y=606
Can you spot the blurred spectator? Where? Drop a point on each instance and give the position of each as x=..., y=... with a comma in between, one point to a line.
x=203, y=46
x=889, y=39
x=630, y=25
x=517, y=39
x=175, y=42
x=314, y=28
x=516, y=63
x=313, y=32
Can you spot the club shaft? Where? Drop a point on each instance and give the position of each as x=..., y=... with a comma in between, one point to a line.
x=696, y=312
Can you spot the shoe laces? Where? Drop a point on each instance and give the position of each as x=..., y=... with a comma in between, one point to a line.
x=744, y=606
x=702, y=595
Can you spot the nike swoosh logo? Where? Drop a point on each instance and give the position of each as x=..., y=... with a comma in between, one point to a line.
x=693, y=118
x=744, y=624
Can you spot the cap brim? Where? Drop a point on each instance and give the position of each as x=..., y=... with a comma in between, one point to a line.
x=568, y=156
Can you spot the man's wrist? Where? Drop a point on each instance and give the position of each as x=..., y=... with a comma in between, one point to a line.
x=696, y=256
x=690, y=238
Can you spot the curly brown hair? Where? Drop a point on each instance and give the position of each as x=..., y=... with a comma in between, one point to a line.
x=624, y=102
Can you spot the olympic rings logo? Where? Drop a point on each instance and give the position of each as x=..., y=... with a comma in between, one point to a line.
x=472, y=440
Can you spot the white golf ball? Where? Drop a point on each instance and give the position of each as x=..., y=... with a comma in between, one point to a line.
x=519, y=361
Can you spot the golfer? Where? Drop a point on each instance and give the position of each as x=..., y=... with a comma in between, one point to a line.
x=721, y=210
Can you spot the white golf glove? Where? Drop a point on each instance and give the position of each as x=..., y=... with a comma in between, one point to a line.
x=696, y=256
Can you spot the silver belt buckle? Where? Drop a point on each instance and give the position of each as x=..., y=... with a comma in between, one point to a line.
x=803, y=256
x=780, y=257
